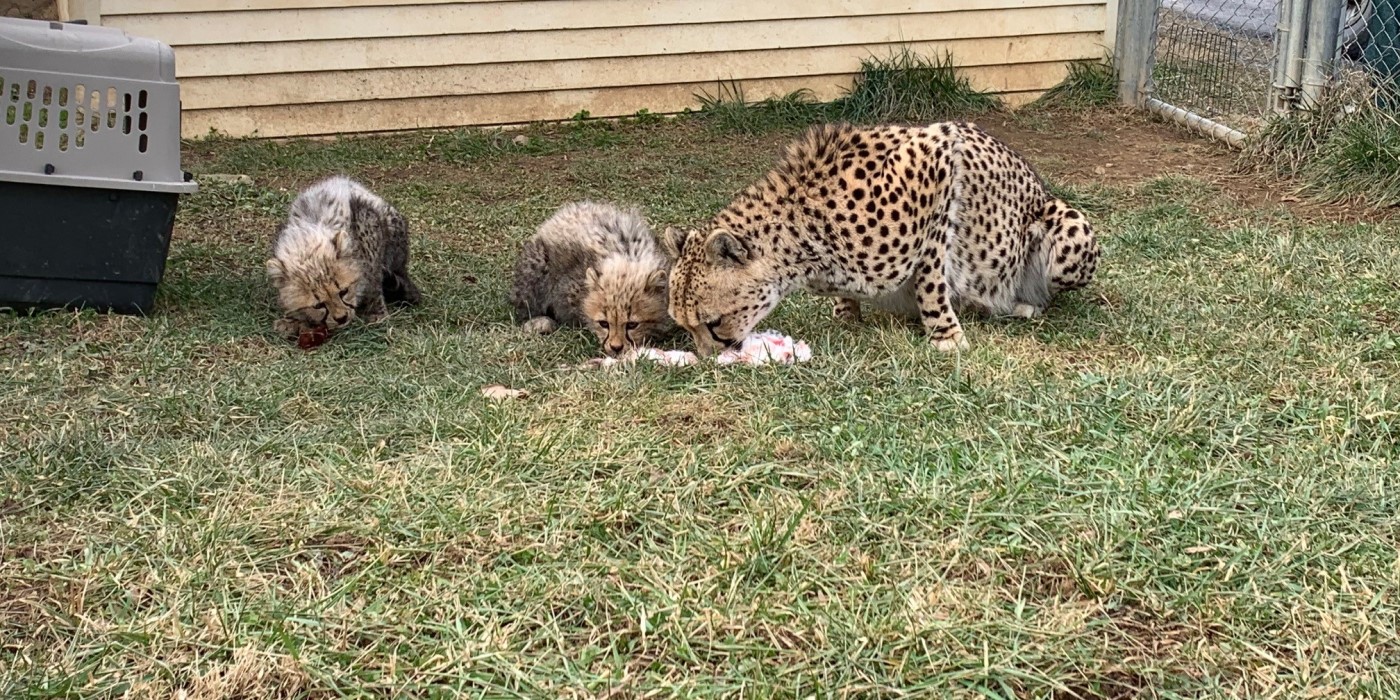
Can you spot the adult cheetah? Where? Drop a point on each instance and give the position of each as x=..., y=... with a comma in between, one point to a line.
x=916, y=220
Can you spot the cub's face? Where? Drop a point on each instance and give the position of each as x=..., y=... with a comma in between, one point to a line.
x=625, y=305
x=320, y=288
x=721, y=287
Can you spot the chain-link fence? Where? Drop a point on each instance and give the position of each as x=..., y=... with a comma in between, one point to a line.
x=1368, y=69
x=1227, y=66
x=1216, y=58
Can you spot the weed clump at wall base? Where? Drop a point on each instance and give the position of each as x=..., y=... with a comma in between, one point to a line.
x=1089, y=84
x=908, y=87
x=728, y=110
x=904, y=87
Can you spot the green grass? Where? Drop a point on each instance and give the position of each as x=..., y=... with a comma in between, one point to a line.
x=1179, y=483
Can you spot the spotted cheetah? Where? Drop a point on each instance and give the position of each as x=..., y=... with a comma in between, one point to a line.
x=916, y=220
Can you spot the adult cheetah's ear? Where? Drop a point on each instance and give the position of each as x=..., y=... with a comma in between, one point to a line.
x=724, y=249
x=673, y=241
x=276, y=271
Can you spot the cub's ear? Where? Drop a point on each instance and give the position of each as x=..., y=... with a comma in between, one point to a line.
x=341, y=240
x=276, y=271
x=673, y=241
x=656, y=281
x=590, y=278
x=723, y=248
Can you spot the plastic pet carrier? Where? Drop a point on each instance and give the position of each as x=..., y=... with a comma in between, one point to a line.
x=89, y=166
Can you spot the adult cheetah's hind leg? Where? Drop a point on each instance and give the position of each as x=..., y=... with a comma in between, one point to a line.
x=1074, y=251
x=847, y=310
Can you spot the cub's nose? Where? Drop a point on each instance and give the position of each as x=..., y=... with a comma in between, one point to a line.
x=616, y=349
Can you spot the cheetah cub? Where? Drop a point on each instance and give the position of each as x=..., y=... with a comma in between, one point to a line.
x=915, y=220
x=596, y=266
x=342, y=253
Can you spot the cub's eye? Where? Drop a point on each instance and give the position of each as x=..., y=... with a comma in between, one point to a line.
x=631, y=325
x=602, y=324
x=344, y=293
x=320, y=306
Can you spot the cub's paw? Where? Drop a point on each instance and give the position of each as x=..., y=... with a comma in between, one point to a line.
x=846, y=310
x=539, y=325
x=953, y=340
x=288, y=328
x=1025, y=311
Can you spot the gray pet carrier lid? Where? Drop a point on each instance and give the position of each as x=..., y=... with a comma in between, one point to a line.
x=85, y=106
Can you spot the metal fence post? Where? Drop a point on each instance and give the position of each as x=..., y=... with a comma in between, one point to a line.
x=1292, y=58
x=1280, y=96
x=1137, y=20
x=1324, y=21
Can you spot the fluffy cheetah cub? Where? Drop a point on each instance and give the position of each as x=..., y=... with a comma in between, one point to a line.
x=342, y=253
x=596, y=266
x=915, y=220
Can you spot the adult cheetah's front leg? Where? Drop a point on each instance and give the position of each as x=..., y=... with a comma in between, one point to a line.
x=935, y=303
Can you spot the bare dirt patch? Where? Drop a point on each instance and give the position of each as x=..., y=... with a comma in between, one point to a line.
x=1123, y=148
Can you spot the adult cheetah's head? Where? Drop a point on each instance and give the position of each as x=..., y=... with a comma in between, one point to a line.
x=721, y=286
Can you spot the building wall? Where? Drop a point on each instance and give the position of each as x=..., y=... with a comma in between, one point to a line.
x=307, y=67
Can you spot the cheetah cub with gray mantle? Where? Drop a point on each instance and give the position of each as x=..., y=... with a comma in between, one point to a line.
x=916, y=220
x=596, y=266
x=342, y=253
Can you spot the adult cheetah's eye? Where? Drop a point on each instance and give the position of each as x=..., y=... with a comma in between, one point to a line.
x=602, y=324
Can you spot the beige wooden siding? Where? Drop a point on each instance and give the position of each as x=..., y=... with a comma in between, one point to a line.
x=309, y=67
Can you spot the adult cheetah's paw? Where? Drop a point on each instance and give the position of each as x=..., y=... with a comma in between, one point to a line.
x=1025, y=311
x=846, y=310
x=954, y=341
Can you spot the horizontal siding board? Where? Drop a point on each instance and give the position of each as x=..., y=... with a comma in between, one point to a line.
x=156, y=7
x=486, y=18
x=438, y=81
x=1020, y=80
x=361, y=54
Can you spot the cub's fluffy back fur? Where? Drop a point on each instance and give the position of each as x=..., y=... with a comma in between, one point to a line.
x=602, y=227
